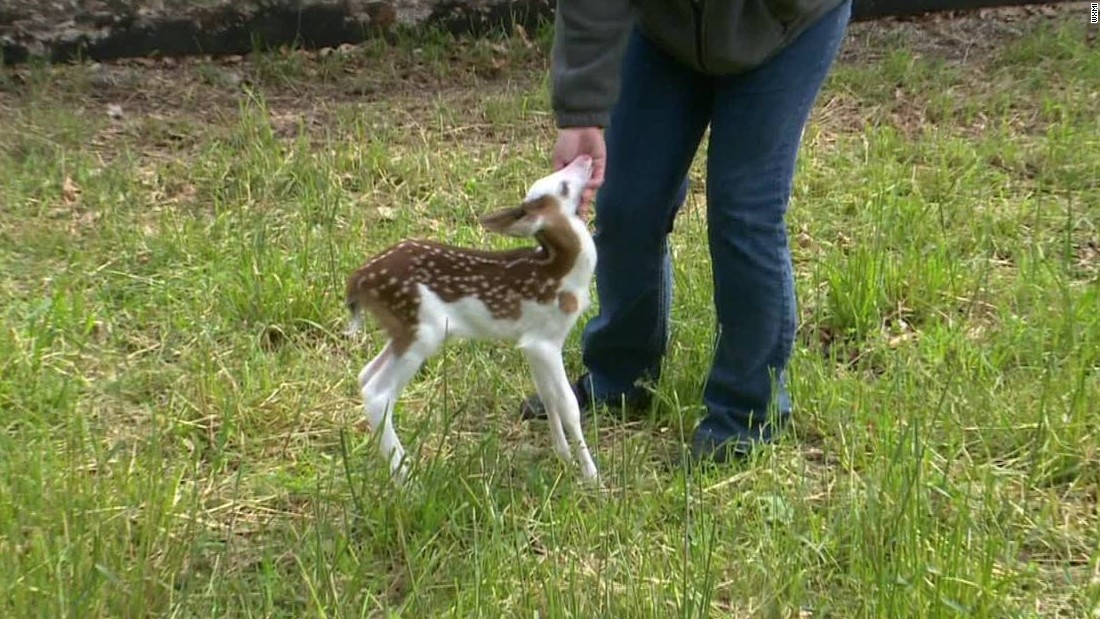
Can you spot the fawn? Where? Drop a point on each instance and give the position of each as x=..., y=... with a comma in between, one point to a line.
x=422, y=293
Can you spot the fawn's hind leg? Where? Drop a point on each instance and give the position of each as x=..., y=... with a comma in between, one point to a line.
x=381, y=393
x=371, y=369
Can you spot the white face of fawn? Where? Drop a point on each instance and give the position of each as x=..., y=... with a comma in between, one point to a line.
x=566, y=184
x=555, y=195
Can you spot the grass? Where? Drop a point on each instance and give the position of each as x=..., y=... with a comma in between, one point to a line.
x=178, y=405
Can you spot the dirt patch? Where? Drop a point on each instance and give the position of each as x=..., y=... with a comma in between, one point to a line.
x=112, y=29
x=955, y=36
x=166, y=104
x=103, y=30
x=62, y=30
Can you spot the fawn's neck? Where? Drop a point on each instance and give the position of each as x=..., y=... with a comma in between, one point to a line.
x=568, y=249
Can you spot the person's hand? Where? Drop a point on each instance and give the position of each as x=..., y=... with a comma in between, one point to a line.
x=582, y=141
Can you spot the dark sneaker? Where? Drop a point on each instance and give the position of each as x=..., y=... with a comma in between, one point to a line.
x=533, y=408
x=707, y=448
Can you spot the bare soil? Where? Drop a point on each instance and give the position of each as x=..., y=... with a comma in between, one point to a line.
x=63, y=30
x=955, y=35
x=175, y=97
x=112, y=29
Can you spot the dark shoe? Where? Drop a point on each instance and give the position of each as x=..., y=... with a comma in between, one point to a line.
x=533, y=408
x=707, y=448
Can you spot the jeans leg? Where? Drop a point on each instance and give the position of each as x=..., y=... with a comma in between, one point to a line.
x=654, y=132
x=756, y=131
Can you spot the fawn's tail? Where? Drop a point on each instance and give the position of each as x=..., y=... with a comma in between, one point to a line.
x=355, y=320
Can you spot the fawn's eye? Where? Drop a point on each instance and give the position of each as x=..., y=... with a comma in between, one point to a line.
x=564, y=191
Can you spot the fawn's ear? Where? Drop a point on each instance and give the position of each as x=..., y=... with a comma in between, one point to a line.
x=523, y=220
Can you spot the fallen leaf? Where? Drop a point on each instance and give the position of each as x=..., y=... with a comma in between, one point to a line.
x=804, y=239
x=85, y=220
x=521, y=33
x=898, y=340
x=70, y=192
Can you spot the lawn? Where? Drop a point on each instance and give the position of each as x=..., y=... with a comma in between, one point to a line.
x=180, y=417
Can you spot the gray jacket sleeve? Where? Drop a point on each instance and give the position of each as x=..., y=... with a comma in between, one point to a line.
x=589, y=38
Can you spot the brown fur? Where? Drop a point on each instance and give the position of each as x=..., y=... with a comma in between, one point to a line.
x=567, y=302
x=386, y=286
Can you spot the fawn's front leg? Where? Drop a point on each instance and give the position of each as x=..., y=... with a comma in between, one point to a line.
x=546, y=388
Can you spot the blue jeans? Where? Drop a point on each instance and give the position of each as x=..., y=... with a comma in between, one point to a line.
x=756, y=121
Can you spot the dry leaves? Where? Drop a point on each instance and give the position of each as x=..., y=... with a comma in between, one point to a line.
x=70, y=192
